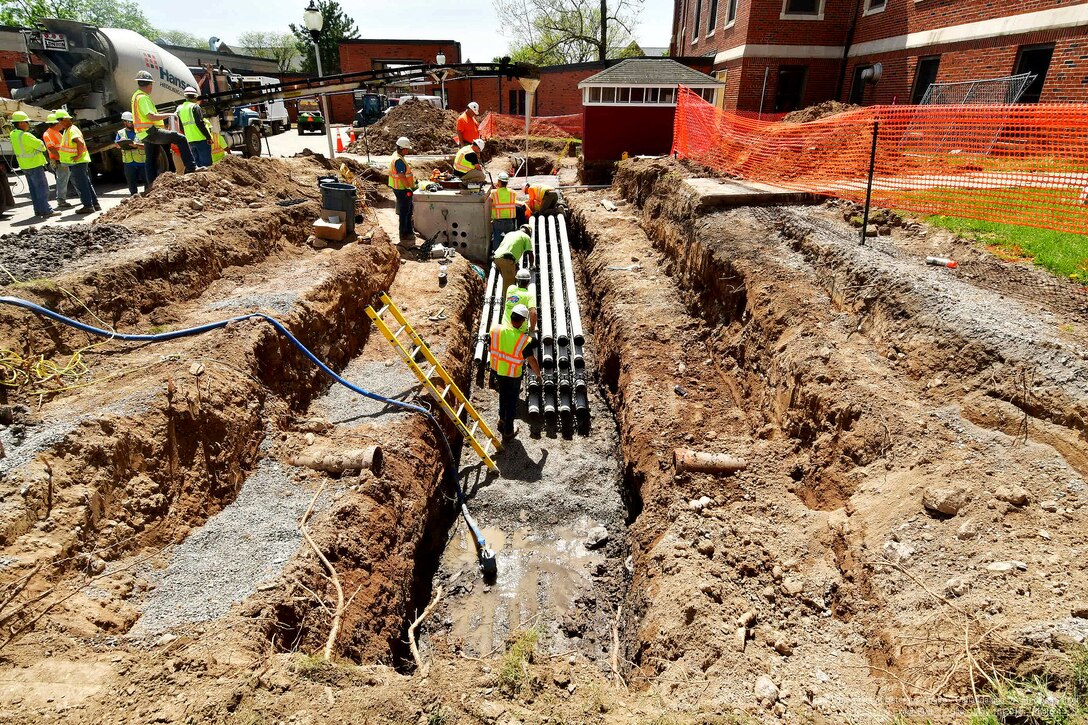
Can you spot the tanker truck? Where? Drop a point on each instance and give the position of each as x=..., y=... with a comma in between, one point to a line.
x=91, y=72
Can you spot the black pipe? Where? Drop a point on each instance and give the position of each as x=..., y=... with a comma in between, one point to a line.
x=869, y=185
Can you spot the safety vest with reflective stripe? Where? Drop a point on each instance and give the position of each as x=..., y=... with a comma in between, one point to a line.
x=51, y=137
x=460, y=165
x=133, y=155
x=219, y=147
x=140, y=120
x=515, y=296
x=536, y=198
x=69, y=152
x=407, y=180
x=507, y=346
x=504, y=203
x=188, y=123
x=28, y=149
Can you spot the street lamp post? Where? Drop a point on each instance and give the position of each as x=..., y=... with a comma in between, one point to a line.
x=314, y=22
x=440, y=59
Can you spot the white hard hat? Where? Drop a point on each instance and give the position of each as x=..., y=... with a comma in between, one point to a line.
x=521, y=311
x=523, y=275
x=474, y=106
x=126, y=116
x=404, y=143
x=190, y=91
x=144, y=77
x=503, y=176
x=479, y=142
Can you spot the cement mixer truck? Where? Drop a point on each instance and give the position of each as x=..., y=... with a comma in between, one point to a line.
x=90, y=71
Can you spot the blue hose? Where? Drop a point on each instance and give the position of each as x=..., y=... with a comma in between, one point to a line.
x=279, y=326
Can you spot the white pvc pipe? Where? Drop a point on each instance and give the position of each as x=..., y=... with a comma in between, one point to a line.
x=572, y=289
x=541, y=253
x=559, y=307
x=481, y=334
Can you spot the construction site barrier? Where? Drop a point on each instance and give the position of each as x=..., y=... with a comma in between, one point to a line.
x=1016, y=164
x=496, y=125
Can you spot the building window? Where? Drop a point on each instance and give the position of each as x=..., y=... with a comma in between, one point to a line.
x=1034, y=59
x=695, y=20
x=924, y=76
x=731, y=13
x=517, y=102
x=712, y=17
x=791, y=88
x=594, y=95
x=875, y=6
x=802, y=10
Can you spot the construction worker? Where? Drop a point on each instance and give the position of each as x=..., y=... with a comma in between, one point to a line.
x=51, y=138
x=151, y=131
x=504, y=209
x=519, y=294
x=402, y=181
x=467, y=165
x=74, y=154
x=194, y=128
x=513, y=247
x=132, y=154
x=509, y=351
x=468, y=128
x=220, y=147
x=30, y=153
x=541, y=199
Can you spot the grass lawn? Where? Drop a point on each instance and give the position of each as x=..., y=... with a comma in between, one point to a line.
x=1062, y=253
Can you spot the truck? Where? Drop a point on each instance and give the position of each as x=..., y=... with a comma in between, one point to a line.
x=91, y=72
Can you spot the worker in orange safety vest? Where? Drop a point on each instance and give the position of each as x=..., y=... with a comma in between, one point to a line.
x=468, y=128
x=510, y=350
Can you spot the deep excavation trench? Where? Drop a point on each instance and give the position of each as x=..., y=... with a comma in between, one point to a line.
x=805, y=567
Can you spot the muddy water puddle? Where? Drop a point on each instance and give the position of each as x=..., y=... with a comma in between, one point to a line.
x=540, y=578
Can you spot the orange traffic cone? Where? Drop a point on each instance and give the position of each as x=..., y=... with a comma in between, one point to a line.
x=339, y=143
x=351, y=135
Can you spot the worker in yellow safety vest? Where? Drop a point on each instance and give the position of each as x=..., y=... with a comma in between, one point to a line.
x=74, y=154
x=30, y=153
x=467, y=164
x=510, y=350
x=194, y=128
x=403, y=183
x=504, y=209
x=519, y=294
x=220, y=147
x=151, y=130
x=132, y=155
x=513, y=247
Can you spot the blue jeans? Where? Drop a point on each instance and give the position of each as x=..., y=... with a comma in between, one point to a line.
x=81, y=177
x=39, y=190
x=499, y=229
x=404, y=212
x=157, y=138
x=202, y=152
x=63, y=178
x=135, y=174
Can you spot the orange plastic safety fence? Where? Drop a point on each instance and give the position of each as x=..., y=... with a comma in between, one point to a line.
x=1022, y=164
x=504, y=126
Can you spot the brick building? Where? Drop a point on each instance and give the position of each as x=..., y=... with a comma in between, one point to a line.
x=786, y=54
x=361, y=55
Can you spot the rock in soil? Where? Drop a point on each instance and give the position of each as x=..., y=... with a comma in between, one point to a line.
x=944, y=500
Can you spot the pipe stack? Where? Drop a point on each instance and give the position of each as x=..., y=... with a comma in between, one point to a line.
x=562, y=394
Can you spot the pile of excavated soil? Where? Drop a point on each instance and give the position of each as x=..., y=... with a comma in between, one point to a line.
x=820, y=110
x=38, y=252
x=430, y=129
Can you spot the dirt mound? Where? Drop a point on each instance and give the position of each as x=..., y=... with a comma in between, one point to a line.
x=429, y=128
x=820, y=110
x=39, y=252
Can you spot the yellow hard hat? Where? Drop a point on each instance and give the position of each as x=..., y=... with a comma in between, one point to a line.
x=19, y=117
x=62, y=114
x=51, y=118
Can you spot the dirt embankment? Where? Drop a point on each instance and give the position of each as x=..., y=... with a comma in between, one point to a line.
x=820, y=110
x=896, y=448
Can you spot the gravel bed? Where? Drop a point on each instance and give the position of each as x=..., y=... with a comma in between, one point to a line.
x=37, y=252
x=247, y=543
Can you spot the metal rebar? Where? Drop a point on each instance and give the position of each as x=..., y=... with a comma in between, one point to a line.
x=869, y=185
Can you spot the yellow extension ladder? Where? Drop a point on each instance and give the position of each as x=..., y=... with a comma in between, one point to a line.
x=490, y=442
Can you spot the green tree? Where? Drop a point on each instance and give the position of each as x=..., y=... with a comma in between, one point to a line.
x=182, y=38
x=338, y=26
x=280, y=47
x=633, y=50
x=549, y=32
x=102, y=13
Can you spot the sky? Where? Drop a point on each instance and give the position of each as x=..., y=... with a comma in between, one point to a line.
x=474, y=23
